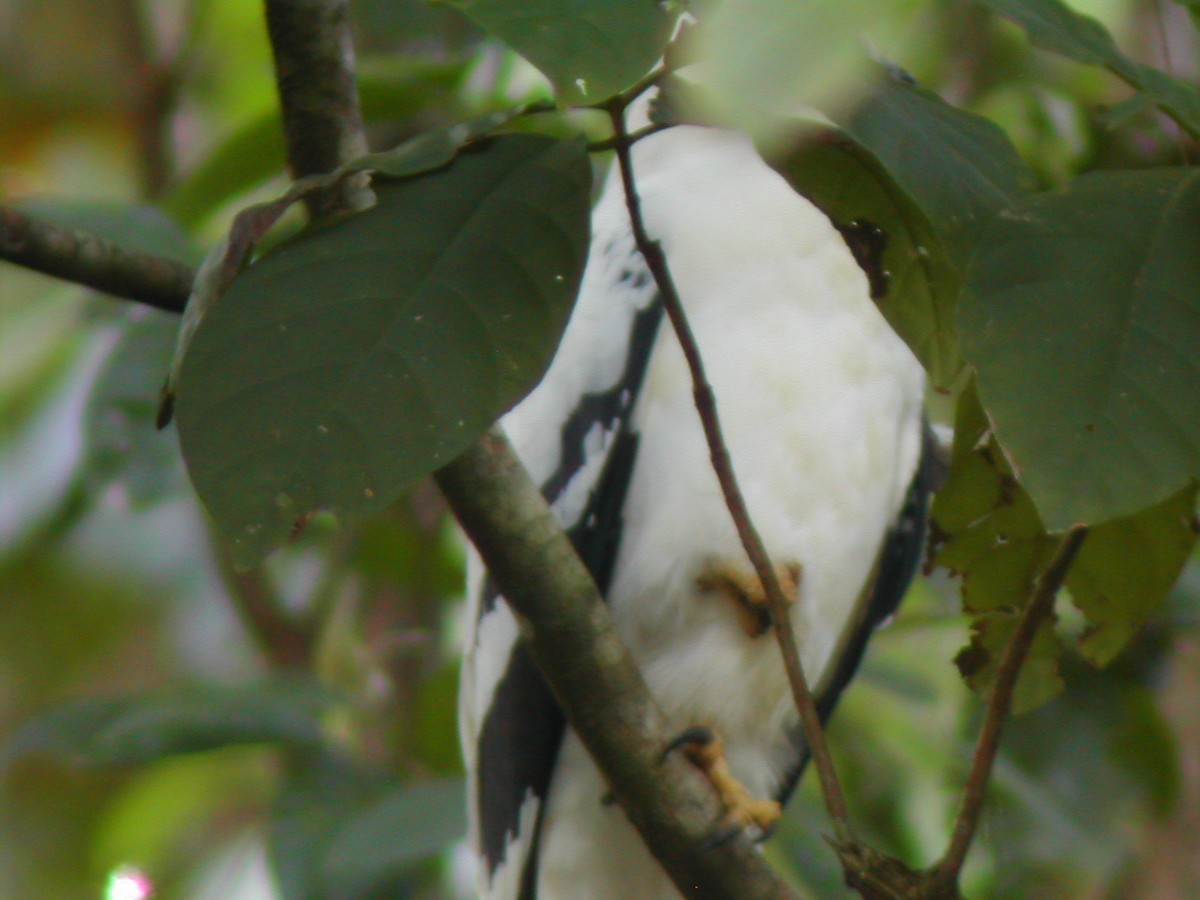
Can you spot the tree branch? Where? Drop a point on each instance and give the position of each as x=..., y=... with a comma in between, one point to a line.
x=1040, y=606
x=93, y=261
x=706, y=406
x=571, y=634
x=322, y=120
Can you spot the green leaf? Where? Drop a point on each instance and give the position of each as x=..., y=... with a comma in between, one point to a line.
x=1082, y=320
x=347, y=363
x=1054, y=26
x=959, y=168
x=991, y=633
x=1126, y=567
x=589, y=49
x=125, y=730
x=778, y=56
x=407, y=824
x=987, y=529
x=916, y=286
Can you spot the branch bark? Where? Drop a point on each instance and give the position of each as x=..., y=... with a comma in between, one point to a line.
x=571, y=634
x=314, y=72
x=93, y=261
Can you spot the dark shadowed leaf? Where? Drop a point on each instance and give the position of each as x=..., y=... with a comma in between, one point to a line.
x=403, y=826
x=99, y=732
x=914, y=283
x=1126, y=567
x=589, y=49
x=359, y=356
x=1082, y=319
x=959, y=168
x=1053, y=25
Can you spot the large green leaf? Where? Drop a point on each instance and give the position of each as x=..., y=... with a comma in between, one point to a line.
x=136, y=729
x=1082, y=319
x=589, y=49
x=352, y=360
x=959, y=168
x=914, y=283
x=1053, y=25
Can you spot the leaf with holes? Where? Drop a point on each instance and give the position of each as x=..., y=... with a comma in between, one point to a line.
x=352, y=360
x=991, y=634
x=986, y=528
x=1082, y=319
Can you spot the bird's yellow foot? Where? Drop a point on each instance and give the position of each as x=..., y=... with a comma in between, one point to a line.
x=743, y=812
x=739, y=584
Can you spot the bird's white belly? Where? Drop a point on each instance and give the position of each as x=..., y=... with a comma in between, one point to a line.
x=823, y=434
x=820, y=404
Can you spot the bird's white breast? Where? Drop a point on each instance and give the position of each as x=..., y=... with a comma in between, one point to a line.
x=821, y=407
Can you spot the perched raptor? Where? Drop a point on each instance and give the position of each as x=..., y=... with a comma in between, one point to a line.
x=822, y=408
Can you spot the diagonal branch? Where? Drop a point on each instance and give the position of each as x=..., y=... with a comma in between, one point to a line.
x=571, y=634
x=706, y=406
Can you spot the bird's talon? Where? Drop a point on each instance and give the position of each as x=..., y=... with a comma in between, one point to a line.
x=743, y=812
x=741, y=587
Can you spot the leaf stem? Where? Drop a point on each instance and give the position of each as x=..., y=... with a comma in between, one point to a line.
x=706, y=406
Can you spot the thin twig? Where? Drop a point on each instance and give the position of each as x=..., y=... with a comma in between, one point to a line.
x=1040, y=605
x=706, y=406
x=633, y=138
x=94, y=262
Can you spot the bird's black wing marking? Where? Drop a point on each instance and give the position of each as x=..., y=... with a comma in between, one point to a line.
x=523, y=728
x=898, y=562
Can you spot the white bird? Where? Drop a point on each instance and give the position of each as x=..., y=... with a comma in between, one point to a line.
x=821, y=405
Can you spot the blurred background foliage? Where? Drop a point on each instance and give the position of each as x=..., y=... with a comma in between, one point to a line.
x=168, y=724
